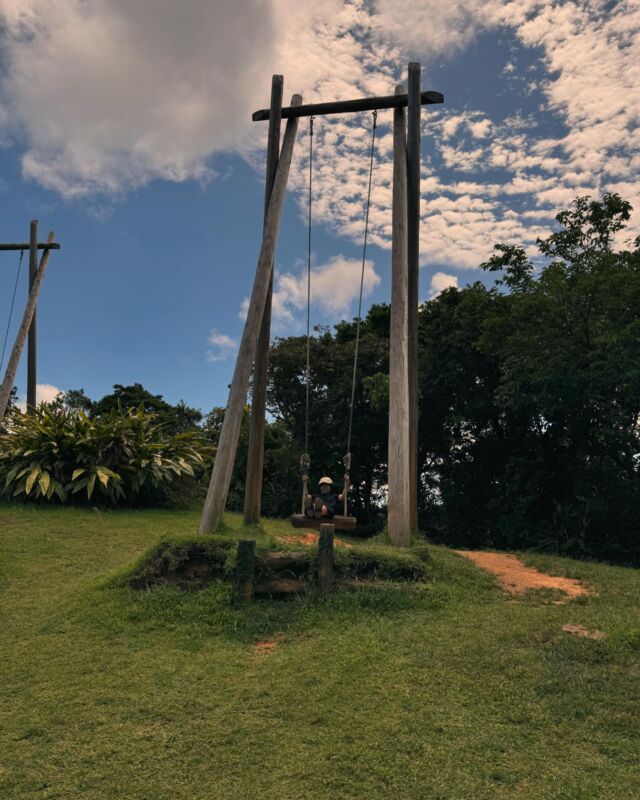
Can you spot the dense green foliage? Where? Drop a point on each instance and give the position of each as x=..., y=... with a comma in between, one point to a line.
x=446, y=690
x=175, y=419
x=120, y=457
x=529, y=397
x=529, y=402
x=330, y=392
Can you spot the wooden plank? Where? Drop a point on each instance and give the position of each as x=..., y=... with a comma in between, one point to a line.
x=326, y=577
x=27, y=246
x=342, y=106
x=284, y=561
x=245, y=562
x=14, y=360
x=413, y=258
x=32, y=346
x=399, y=505
x=339, y=522
x=255, y=455
x=228, y=443
x=283, y=587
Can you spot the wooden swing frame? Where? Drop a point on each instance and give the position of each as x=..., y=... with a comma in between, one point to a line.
x=403, y=360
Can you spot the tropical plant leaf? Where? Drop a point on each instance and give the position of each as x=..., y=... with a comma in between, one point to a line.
x=31, y=480
x=44, y=481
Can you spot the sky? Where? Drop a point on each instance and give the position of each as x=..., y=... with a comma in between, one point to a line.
x=125, y=127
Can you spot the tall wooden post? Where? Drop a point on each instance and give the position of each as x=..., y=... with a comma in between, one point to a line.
x=399, y=505
x=413, y=257
x=23, y=330
x=228, y=443
x=32, y=346
x=255, y=456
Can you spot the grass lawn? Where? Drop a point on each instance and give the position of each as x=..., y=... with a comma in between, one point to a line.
x=451, y=691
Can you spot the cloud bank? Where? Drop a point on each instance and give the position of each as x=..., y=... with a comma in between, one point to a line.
x=102, y=97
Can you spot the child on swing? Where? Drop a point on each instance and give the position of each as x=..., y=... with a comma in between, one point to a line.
x=324, y=504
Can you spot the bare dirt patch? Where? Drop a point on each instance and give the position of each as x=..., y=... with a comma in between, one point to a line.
x=580, y=630
x=516, y=578
x=308, y=540
x=267, y=646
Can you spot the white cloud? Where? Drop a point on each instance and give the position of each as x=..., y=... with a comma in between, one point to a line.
x=335, y=287
x=45, y=393
x=223, y=347
x=441, y=281
x=113, y=94
x=431, y=27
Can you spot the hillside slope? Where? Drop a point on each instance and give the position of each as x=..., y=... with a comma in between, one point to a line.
x=445, y=691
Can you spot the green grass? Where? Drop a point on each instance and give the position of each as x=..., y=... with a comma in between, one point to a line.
x=443, y=690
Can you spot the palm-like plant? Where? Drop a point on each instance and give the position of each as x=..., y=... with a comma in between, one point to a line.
x=119, y=457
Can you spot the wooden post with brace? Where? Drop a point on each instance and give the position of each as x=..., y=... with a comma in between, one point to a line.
x=255, y=453
x=255, y=340
x=27, y=317
x=228, y=442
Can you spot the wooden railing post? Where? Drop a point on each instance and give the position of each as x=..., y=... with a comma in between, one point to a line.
x=326, y=577
x=245, y=562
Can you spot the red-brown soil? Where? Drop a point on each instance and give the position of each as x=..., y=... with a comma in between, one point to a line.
x=307, y=539
x=516, y=578
x=580, y=630
x=267, y=646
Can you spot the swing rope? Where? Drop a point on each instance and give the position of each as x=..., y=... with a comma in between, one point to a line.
x=13, y=300
x=308, y=370
x=305, y=461
x=364, y=256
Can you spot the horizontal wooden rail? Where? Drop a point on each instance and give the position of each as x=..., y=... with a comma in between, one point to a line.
x=41, y=246
x=341, y=106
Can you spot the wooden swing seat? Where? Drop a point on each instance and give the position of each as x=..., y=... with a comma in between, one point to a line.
x=340, y=523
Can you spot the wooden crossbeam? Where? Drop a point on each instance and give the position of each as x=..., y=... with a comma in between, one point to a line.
x=342, y=106
x=26, y=246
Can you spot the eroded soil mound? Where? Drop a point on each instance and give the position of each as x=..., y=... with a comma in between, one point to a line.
x=195, y=563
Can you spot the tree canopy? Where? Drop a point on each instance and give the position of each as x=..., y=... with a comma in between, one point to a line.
x=529, y=400
x=529, y=396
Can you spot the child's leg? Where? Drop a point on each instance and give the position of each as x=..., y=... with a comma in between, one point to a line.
x=309, y=506
x=321, y=509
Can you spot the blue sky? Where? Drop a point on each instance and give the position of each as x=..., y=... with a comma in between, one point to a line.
x=158, y=207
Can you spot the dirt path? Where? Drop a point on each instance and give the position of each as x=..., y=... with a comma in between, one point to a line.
x=516, y=578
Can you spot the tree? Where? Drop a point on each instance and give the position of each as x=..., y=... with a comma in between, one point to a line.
x=77, y=400
x=177, y=419
x=11, y=406
x=531, y=398
x=331, y=364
